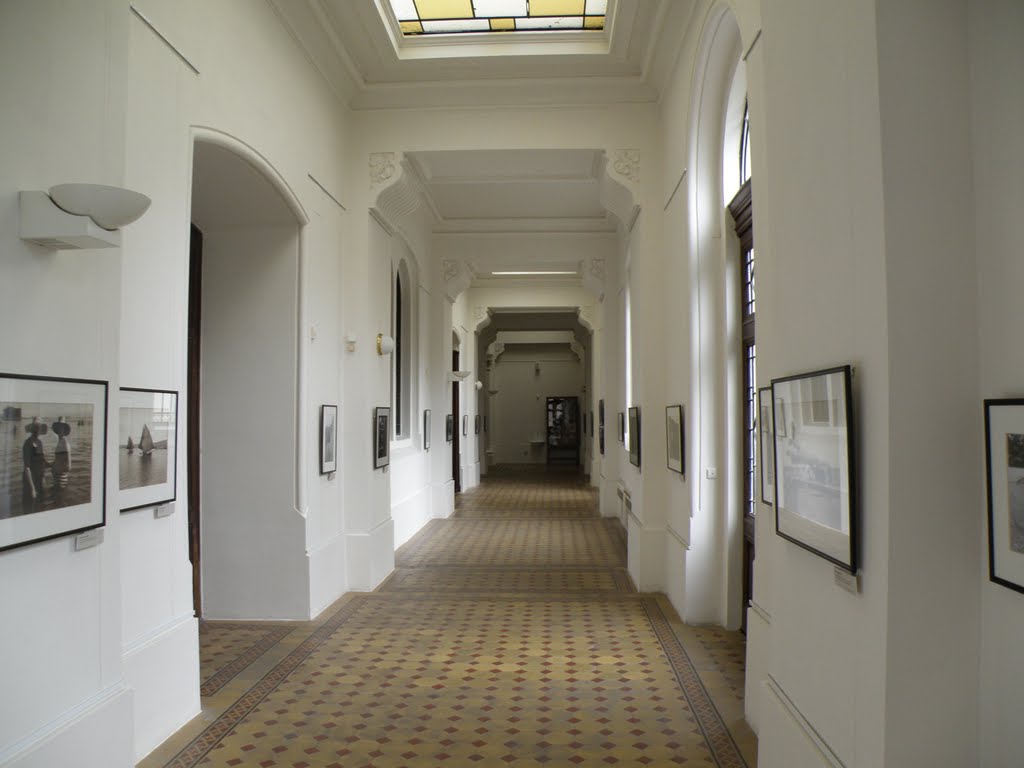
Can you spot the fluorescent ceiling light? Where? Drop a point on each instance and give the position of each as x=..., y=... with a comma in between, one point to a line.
x=534, y=273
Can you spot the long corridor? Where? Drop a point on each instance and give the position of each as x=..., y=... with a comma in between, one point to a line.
x=509, y=635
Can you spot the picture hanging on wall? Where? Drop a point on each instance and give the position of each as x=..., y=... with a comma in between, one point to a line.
x=766, y=445
x=584, y=431
x=147, y=447
x=328, y=439
x=675, y=437
x=381, y=437
x=476, y=424
x=449, y=428
x=426, y=430
x=600, y=426
x=815, y=474
x=591, y=423
x=52, y=457
x=465, y=425
x=622, y=427
x=634, y=435
x=1004, y=459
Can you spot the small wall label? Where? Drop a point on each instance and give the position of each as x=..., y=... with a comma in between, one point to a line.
x=848, y=581
x=88, y=539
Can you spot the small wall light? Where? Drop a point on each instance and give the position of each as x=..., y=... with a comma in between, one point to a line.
x=536, y=369
x=459, y=375
x=479, y=385
x=79, y=215
x=385, y=344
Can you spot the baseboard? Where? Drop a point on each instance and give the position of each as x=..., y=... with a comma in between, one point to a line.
x=646, y=555
x=97, y=732
x=370, y=556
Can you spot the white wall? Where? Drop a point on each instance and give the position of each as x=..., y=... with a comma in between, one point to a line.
x=997, y=111
x=64, y=689
x=520, y=407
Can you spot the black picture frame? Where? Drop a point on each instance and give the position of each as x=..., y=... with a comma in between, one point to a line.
x=600, y=427
x=815, y=464
x=52, y=495
x=465, y=425
x=766, y=444
x=426, y=429
x=675, y=439
x=1004, y=464
x=147, y=474
x=591, y=423
x=476, y=424
x=328, y=439
x=622, y=427
x=449, y=428
x=381, y=436
x=634, y=435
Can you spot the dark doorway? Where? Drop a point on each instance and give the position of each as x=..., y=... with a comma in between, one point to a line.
x=457, y=426
x=195, y=281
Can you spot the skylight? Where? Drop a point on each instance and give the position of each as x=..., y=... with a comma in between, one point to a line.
x=446, y=17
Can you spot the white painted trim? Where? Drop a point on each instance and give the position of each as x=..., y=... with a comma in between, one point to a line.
x=804, y=724
x=677, y=536
x=155, y=635
x=326, y=543
x=71, y=717
x=761, y=612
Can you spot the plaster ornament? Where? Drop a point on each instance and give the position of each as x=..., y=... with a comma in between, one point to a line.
x=577, y=349
x=451, y=269
x=626, y=163
x=597, y=268
x=382, y=167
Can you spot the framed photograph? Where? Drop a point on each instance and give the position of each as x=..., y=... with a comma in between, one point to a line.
x=465, y=425
x=147, y=447
x=381, y=437
x=449, y=428
x=622, y=427
x=328, y=439
x=476, y=424
x=426, y=430
x=1004, y=459
x=600, y=427
x=815, y=474
x=675, y=437
x=766, y=444
x=53, y=435
x=634, y=435
x=591, y=423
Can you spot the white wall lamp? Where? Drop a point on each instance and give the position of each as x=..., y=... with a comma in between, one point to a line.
x=460, y=375
x=479, y=385
x=385, y=344
x=74, y=216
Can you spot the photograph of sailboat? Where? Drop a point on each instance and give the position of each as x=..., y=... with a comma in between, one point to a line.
x=147, y=447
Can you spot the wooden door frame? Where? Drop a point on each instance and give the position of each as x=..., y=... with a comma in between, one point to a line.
x=195, y=292
x=456, y=427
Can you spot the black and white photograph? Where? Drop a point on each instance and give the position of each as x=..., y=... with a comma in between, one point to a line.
x=449, y=428
x=147, y=447
x=622, y=427
x=815, y=477
x=381, y=437
x=52, y=436
x=675, y=437
x=1004, y=457
x=634, y=435
x=426, y=430
x=476, y=424
x=600, y=425
x=328, y=439
x=766, y=445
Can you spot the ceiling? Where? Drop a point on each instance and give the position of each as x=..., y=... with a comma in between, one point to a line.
x=513, y=190
x=358, y=46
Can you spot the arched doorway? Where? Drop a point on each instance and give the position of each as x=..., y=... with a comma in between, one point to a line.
x=247, y=539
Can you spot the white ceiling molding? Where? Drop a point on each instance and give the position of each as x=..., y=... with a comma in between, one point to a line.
x=397, y=189
x=358, y=51
x=619, y=185
x=457, y=277
x=588, y=317
x=594, y=272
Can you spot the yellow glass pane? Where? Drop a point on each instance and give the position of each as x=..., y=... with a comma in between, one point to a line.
x=445, y=9
x=593, y=22
x=411, y=28
x=557, y=7
x=502, y=25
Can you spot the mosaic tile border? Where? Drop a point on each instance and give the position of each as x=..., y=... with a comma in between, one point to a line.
x=717, y=736
x=227, y=673
x=620, y=578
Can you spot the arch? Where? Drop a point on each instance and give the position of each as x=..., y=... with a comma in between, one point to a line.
x=251, y=213
x=714, y=562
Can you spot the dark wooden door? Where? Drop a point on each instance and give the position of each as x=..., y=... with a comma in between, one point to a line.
x=195, y=280
x=456, y=427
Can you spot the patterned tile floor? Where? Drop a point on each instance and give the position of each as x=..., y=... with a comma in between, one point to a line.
x=517, y=641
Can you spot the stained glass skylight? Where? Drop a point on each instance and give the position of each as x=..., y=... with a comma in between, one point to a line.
x=445, y=17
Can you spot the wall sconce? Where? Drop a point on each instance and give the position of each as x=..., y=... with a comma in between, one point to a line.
x=385, y=344
x=536, y=369
x=73, y=216
x=479, y=385
x=459, y=375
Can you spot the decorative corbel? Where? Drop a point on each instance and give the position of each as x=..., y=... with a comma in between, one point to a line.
x=619, y=185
